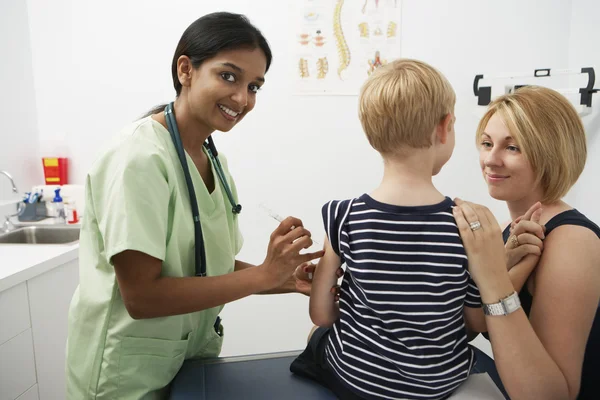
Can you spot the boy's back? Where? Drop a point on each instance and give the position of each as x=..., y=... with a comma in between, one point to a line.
x=401, y=332
x=398, y=330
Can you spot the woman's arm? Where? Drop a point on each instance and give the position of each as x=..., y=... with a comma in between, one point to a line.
x=521, y=259
x=520, y=272
x=567, y=291
x=147, y=294
x=323, y=308
x=541, y=358
x=524, y=246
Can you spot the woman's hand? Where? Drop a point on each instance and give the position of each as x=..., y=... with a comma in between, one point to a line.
x=524, y=247
x=283, y=254
x=525, y=240
x=482, y=239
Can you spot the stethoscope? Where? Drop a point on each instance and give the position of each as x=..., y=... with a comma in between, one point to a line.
x=200, y=252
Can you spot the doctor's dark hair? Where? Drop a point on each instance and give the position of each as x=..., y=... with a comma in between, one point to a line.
x=211, y=34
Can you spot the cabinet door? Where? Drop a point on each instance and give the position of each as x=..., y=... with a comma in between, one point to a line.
x=17, y=366
x=49, y=299
x=14, y=312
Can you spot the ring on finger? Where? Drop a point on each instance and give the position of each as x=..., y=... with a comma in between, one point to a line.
x=514, y=241
x=475, y=225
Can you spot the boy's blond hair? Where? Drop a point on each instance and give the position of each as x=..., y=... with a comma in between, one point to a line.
x=549, y=133
x=401, y=103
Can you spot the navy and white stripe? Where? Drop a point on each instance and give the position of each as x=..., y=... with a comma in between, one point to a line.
x=401, y=332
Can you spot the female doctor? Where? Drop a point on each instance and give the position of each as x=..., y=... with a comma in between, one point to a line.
x=152, y=278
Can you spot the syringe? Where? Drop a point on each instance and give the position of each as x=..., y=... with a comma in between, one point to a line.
x=279, y=218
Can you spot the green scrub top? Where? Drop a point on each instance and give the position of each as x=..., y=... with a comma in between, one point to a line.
x=137, y=199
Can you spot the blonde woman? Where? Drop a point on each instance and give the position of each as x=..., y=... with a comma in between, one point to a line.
x=546, y=339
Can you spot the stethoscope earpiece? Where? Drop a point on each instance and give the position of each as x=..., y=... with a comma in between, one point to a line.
x=237, y=209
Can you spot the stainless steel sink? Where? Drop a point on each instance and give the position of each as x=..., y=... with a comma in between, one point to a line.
x=43, y=234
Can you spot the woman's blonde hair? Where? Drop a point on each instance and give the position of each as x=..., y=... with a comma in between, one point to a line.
x=401, y=103
x=549, y=133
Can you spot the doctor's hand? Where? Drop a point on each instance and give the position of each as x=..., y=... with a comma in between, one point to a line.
x=303, y=277
x=283, y=254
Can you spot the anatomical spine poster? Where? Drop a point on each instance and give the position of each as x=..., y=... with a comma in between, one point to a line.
x=339, y=43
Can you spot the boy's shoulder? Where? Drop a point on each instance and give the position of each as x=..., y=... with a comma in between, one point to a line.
x=335, y=208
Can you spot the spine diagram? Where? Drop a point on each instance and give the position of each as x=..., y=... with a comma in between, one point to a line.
x=363, y=28
x=391, y=31
x=322, y=67
x=303, y=68
x=342, y=46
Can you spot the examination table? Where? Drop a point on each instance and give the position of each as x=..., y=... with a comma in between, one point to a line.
x=268, y=376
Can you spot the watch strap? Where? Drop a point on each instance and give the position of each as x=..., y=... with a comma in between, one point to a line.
x=505, y=306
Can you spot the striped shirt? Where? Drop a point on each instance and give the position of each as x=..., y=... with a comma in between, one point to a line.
x=401, y=332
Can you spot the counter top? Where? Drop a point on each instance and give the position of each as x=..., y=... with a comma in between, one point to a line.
x=20, y=262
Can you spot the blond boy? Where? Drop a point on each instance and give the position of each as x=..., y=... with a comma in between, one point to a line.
x=398, y=330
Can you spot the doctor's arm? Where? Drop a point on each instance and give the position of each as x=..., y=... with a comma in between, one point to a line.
x=323, y=308
x=289, y=286
x=148, y=294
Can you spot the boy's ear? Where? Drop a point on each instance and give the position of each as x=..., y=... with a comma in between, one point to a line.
x=444, y=128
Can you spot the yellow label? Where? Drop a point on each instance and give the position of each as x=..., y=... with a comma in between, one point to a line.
x=52, y=179
x=50, y=162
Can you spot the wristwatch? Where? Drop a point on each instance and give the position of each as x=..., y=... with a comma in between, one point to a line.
x=505, y=306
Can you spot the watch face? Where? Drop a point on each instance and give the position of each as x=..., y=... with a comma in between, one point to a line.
x=511, y=303
x=504, y=307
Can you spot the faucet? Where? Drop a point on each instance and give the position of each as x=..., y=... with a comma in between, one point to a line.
x=7, y=226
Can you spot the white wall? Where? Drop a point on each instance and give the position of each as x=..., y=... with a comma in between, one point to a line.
x=56, y=79
x=98, y=65
x=18, y=133
x=583, y=52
